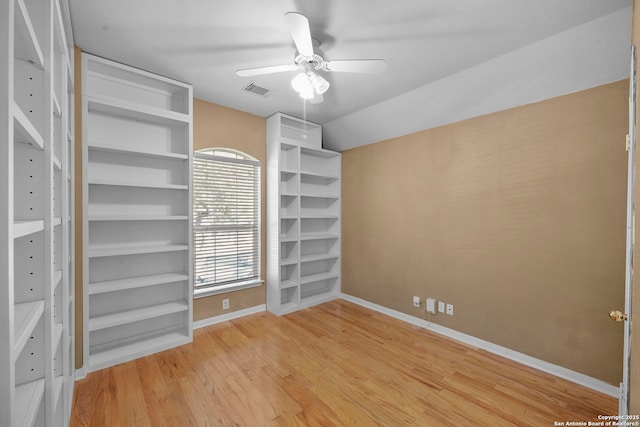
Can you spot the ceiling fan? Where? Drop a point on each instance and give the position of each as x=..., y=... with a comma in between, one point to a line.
x=309, y=83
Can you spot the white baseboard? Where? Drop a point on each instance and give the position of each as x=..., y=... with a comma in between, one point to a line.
x=80, y=374
x=558, y=371
x=229, y=316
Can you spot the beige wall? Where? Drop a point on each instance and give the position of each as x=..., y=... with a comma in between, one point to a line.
x=516, y=218
x=634, y=402
x=217, y=126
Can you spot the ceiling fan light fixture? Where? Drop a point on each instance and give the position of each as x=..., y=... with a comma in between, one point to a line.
x=319, y=83
x=301, y=84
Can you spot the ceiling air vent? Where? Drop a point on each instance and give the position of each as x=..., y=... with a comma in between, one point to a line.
x=255, y=89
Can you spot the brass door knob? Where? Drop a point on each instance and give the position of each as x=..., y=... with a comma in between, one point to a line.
x=617, y=315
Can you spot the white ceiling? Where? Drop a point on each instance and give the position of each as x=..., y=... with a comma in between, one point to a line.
x=432, y=48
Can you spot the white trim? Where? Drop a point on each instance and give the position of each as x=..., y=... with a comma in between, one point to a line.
x=229, y=316
x=223, y=289
x=80, y=374
x=558, y=371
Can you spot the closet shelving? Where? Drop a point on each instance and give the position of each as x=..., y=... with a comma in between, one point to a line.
x=137, y=129
x=303, y=215
x=36, y=292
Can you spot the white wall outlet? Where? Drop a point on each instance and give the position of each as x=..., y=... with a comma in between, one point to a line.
x=450, y=309
x=431, y=305
x=416, y=301
x=441, y=306
x=225, y=304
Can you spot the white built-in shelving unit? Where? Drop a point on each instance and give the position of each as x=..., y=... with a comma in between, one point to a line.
x=36, y=208
x=303, y=215
x=137, y=133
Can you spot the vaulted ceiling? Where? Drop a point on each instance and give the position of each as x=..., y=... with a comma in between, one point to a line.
x=446, y=60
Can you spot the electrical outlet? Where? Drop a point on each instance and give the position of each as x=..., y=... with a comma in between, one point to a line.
x=416, y=301
x=441, y=308
x=450, y=309
x=225, y=304
x=431, y=305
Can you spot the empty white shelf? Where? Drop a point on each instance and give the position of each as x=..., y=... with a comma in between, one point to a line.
x=318, y=236
x=107, y=357
x=56, y=163
x=318, y=257
x=57, y=221
x=58, y=382
x=138, y=184
x=57, y=336
x=57, y=277
x=27, y=47
x=317, y=277
x=288, y=261
x=24, y=131
x=138, y=218
x=285, y=239
x=129, y=151
x=134, y=250
x=288, y=284
x=130, y=316
x=127, y=109
x=26, y=316
x=24, y=228
x=136, y=282
x=319, y=175
x=28, y=399
x=321, y=196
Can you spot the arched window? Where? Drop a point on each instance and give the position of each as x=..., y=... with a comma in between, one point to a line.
x=226, y=220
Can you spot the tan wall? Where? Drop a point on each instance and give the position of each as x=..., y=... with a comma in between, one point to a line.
x=217, y=126
x=516, y=218
x=634, y=389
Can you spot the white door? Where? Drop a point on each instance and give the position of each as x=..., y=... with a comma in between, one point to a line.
x=626, y=316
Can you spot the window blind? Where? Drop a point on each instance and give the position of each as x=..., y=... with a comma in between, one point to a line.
x=226, y=205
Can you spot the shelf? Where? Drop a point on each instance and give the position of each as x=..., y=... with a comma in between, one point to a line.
x=24, y=228
x=138, y=184
x=57, y=336
x=319, y=152
x=132, y=110
x=108, y=357
x=28, y=400
x=57, y=111
x=58, y=382
x=284, y=239
x=138, y=218
x=320, y=196
x=27, y=47
x=288, y=261
x=136, y=282
x=26, y=317
x=143, y=153
x=56, y=221
x=57, y=163
x=133, y=250
x=286, y=284
x=57, y=278
x=317, y=277
x=24, y=131
x=318, y=257
x=318, y=236
x=319, y=175
x=319, y=217
x=123, y=317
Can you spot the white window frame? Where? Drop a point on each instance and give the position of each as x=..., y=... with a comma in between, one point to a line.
x=231, y=156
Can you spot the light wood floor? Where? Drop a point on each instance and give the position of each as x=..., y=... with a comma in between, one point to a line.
x=337, y=364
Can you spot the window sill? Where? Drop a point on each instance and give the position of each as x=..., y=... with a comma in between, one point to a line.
x=216, y=290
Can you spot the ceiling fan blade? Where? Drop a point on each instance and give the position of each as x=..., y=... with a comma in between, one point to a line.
x=248, y=72
x=356, y=65
x=300, y=32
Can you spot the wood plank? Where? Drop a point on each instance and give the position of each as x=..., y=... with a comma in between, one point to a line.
x=335, y=364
